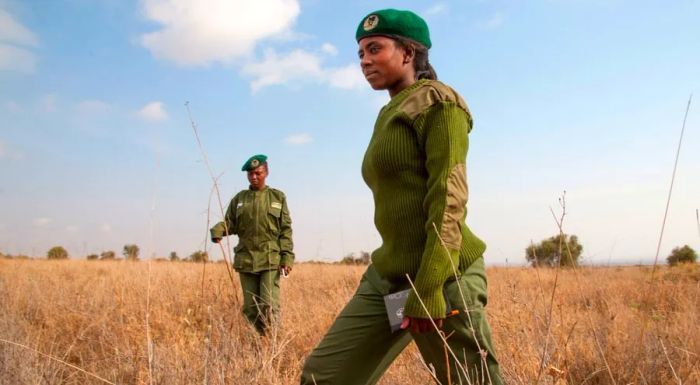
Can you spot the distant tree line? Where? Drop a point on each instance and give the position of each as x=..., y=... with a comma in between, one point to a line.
x=130, y=252
x=564, y=250
x=561, y=250
x=359, y=258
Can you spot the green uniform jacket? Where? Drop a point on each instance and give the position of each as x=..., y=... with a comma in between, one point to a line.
x=264, y=228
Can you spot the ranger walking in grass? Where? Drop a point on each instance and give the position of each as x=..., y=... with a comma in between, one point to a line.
x=260, y=218
x=415, y=165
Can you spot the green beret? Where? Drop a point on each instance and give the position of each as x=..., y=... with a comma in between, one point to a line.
x=254, y=161
x=387, y=22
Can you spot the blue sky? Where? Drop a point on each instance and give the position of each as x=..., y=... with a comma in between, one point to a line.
x=96, y=149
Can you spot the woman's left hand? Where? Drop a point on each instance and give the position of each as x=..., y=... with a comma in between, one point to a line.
x=420, y=325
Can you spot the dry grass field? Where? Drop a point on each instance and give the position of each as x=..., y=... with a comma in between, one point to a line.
x=161, y=323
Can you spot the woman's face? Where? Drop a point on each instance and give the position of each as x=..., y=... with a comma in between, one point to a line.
x=256, y=177
x=385, y=66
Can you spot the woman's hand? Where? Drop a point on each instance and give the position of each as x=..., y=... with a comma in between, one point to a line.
x=420, y=325
x=285, y=270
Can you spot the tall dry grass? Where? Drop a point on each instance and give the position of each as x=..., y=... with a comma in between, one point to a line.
x=93, y=315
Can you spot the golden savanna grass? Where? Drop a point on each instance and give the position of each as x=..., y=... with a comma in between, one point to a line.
x=606, y=325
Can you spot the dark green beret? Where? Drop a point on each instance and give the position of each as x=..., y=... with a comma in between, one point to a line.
x=387, y=22
x=254, y=161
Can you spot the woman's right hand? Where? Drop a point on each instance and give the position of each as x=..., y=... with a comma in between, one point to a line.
x=420, y=325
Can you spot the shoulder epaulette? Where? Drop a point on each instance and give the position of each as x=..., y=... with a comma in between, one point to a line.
x=427, y=95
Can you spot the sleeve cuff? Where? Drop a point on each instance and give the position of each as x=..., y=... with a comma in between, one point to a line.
x=434, y=302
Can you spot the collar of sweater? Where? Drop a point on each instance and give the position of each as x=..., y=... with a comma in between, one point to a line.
x=402, y=95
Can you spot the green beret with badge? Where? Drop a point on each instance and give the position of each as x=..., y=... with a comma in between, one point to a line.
x=254, y=162
x=394, y=22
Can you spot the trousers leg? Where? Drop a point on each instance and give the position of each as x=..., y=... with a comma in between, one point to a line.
x=359, y=346
x=270, y=296
x=250, y=284
x=468, y=334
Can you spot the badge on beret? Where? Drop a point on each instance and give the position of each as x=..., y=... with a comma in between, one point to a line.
x=394, y=22
x=254, y=163
x=370, y=22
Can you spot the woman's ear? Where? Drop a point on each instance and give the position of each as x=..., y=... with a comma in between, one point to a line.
x=409, y=53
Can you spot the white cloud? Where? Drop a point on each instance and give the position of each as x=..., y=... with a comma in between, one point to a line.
x=15, y=33
x=348, y=77
x=298, y=66
x=436, y=9
x=41, y=222
x=92, y=107
x=199, y=33
x=195, y=33
x=298, y=139
x=494, y=22
x=71, y=228
x=153, y=112
x=14, y=40
x=16, y=59
x=275, y=69
x=106, y=228
x=329, y=49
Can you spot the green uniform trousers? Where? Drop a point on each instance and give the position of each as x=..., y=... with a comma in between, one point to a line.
x=261, y=298
x=360, y=346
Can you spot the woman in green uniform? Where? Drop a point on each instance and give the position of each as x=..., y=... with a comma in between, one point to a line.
x=415, y=165
x=260, y=218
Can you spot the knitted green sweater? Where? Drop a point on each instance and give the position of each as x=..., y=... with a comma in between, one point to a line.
x=415, y=167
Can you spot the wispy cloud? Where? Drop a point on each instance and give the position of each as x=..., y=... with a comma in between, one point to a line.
x=436, y=9
x=153, y=112
x=196, y=33
x=298, y=139
x=329, y=49
x=106, y=228
x=92, y=107
x=348, y=77
x=15, y=43
x=16, y=59
x=41, y=222
x=495, y=21
x=298, y=66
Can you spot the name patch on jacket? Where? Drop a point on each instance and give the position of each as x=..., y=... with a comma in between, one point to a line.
x=276, y=205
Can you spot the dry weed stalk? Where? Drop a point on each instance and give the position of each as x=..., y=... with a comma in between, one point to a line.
x=215, y=188
x=670, y=189
x=57, y=360
x=650, y=287
x=149, y=341
x=560, y=223
x=591, y=324
x=465, y=307
x=439, y=332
